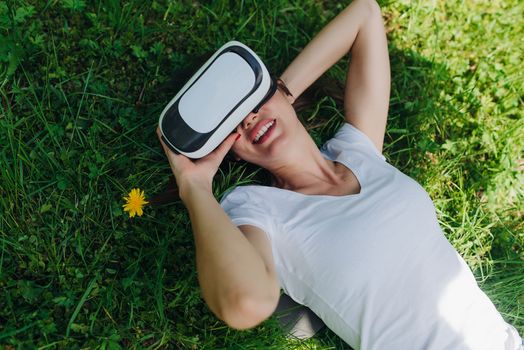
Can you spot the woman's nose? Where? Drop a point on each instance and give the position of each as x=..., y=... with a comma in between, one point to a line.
x=249, y=120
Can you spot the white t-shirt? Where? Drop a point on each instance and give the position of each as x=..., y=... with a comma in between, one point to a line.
x=374, y=266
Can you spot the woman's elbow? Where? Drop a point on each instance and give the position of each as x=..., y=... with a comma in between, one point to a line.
x=370, y=7
x=247, y=312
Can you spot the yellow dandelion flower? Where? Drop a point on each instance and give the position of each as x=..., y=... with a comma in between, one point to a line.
x=134, y=202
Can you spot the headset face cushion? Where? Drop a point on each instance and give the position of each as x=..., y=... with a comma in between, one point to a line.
x=232, y=83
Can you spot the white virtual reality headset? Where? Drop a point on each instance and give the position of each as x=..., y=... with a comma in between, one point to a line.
x=231, y=84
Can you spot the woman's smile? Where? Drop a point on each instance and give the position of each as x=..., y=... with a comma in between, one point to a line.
x=262, y=131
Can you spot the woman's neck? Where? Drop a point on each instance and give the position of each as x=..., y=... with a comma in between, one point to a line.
x=304, y=168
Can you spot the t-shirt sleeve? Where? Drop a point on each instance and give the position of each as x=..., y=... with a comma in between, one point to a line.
x=349, y=137
x=244, y=208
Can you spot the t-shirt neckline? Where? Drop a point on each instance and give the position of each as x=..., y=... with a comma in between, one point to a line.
x=345, y=163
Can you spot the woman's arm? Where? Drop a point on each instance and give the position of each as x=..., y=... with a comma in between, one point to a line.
x=238, y=284
x=235, y=269
x=357, y=29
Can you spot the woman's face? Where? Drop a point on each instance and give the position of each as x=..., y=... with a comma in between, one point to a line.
x=265, y=135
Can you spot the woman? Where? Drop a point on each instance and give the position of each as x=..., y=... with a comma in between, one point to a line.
x=341, y=230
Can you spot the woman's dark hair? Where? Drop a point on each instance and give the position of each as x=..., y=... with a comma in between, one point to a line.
x=324, y=86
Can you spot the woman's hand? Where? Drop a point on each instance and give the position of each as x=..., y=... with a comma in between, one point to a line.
x=190, y=173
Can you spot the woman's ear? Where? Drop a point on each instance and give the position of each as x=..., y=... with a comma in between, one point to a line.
x=285, y=91
x=290, y=98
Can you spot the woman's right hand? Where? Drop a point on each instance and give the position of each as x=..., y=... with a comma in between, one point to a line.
x=190, y=173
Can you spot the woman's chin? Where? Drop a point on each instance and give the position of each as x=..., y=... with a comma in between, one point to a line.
x=277, y=146
x=275, y=151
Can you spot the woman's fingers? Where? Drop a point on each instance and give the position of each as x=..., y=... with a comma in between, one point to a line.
x=159, y=134
x=208, y=164
x=176, y=161
x=220, y=152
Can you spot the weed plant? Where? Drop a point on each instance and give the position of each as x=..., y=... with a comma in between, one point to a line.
x=82, y=84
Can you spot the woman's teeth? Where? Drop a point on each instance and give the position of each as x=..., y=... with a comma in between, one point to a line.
x=262, y=131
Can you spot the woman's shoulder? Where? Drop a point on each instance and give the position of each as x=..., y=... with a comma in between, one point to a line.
x=349, y=137
x=250, y=205
x=245, y=194
x=267, y=198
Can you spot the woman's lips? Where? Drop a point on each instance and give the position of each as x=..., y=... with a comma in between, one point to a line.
x=267, y=134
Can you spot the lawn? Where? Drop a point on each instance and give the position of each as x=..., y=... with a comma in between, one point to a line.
x=82, y=84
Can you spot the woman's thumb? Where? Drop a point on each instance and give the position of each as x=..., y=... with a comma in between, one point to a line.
x=226, y=145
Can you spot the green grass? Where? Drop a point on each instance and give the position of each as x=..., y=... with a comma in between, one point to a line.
x=82, y=84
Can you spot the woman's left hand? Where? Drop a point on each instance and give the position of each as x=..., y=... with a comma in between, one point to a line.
x=198, y=172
